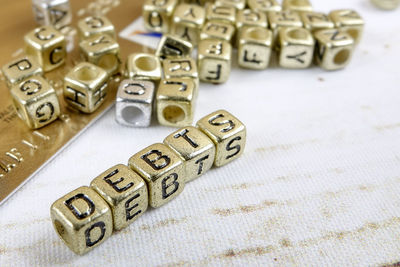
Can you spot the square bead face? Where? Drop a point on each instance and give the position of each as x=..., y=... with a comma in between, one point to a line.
x=171, y=46
x=264, y=6
x=217, y=30
x=181, y=68
x=214, y=59
x=20, y=69
x=296, y=48
x=85, y=87
x=157, y=14
x=255, y=48
x=143, y=66
x=285, y=18
x=314, y=21
x=175, y=101
x=248, y=17
x=124, y=191
x=297, y=5
x=227, y=133
x=221, y=13
x=47, y=46
x=103, y=51
x=56, y=13
x=349, y=21
x=162, y=169
x=334, y=49
x=36, y=101
x=134, y=103
x=91, y=26
x=196, y=149
x=187, y=22
x=82, y=219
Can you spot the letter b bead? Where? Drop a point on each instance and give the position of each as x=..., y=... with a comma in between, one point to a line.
x=82, y=219
x=227, y=133
x=124, y=191
x=162, y=169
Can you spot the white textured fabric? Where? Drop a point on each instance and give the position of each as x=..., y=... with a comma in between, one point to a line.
x=318, y=184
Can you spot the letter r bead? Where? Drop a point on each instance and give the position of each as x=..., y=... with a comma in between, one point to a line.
x=162, y=170
x=227, y=133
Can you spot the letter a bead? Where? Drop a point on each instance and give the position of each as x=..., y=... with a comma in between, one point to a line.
x=82, y=219
x=162, y=169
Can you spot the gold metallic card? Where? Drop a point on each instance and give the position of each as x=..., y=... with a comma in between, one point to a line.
x=23, y=151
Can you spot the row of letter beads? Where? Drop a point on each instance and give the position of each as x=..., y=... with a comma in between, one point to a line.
x=87, y=216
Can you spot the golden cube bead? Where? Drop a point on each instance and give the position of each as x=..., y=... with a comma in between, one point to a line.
x=85, y=87
x=162, y=170
x=94, y=25
x=175, y=101
x=221, y=13
x=36, y=101
x=315, y=21
x=187, y=22
x=296, y=48
x=217, y=31
x=103, y=51
x=142, y=66
x=157, y=14
x=334, y=49
x=56, y=13
x=124, y=191
x=349, y=21
x=171, y=46
x=227, y=133
x=264, y=6
x=214, y=59
x=281, y=19
x=251, y=18
x=181, y=68
x=195, y=148
x=20, y=69
x=297, y=5
x=255, y=47
x=82, y=219
x=47, y=46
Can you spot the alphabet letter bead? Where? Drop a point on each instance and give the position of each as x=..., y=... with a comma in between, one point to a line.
x=124, y=191
x=162, y=169
x=20, y=69
x=297, y=5
x=82, y=219
x=195, y=148
x=214, y=59
x=36, y=101
x=47, y=46
x=217, y=31
x=250, y=18
x=187, y=22
x=314, y=21
x=91, y=26
x=349, y=21
x=264, y=6
x=220, y=13
x=296, y=47
x=103, y=51
x=157, y=14
x=227, y=133
x=254, y=48
x=334, y=49
x=134, y=103
x=52, y=12
x=85, y=87
x=171, y=46
x=284, y=18
x=181, y=68
x=143, y=66
x=175, y=101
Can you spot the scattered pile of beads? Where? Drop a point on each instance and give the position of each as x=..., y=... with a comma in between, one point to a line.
x=87, y=216
x=297, y=33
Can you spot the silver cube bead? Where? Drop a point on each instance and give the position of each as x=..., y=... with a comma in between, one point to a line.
x=134, y=103
x=56, y=13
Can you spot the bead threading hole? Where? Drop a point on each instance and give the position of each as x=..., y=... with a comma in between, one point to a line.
x=108, y=62
x=257, y=34
x=341, y=57
x=132, y=115
x=298, y=34
x=146, y=63
x=173, y=114
x=86, y=73
x=61, y=230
